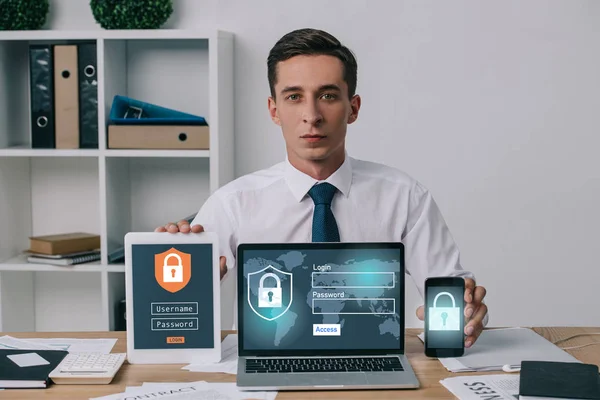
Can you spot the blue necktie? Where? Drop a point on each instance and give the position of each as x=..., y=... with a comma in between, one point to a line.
x=324, y=228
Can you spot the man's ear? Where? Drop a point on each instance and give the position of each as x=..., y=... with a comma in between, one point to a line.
x=354, y=107
x=273, y=111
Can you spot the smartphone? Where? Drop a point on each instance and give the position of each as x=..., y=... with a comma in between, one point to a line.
x=444, y=317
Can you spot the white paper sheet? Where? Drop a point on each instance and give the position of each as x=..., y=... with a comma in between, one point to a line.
x=497, y=387
x=505, y=346
x=200, y=390
x=229, y=358
x=11, y=343
x=102, y=346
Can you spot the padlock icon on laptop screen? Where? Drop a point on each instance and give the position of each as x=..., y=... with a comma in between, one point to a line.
x=444, y=318
x=173, y=273
x=269, y=296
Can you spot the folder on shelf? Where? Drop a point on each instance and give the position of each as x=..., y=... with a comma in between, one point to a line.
x=66, y=97
x=88, y=95
x=158, y=137
x=41, y=86
x=28, y=368
x=128, y=111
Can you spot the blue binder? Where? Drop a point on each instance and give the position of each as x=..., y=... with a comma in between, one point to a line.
x=128, y=111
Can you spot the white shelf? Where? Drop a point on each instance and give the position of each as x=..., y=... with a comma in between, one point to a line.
x=157, y=153
x=20, y=263
x=108, y=192
x=140, y=34
x=22, y=151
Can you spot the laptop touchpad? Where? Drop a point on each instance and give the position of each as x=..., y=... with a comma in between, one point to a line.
x=327, y=379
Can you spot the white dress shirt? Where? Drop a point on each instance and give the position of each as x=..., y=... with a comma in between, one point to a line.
x=374, y=203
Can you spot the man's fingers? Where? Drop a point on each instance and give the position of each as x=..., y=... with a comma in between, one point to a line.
x=477, y=320
x=197, y=228
x=471, y=339
x=469, y=286
x=479, y=294
x=421, y=313
x=172, y=228
x=160, y=229
x=222, y=264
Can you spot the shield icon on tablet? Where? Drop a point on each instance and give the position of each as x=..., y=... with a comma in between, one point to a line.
x=173, y=269
x=270, y=292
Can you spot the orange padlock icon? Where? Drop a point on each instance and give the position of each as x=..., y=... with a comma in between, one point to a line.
x=173, y=273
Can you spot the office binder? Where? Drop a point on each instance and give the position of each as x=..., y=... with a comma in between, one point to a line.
x=88, y=96
x=66, y=97
x=36, y=376
x=41, y=86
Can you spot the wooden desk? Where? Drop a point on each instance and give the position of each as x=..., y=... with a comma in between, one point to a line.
x=429, y=371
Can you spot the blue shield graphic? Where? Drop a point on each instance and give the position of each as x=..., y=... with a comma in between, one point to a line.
x=270, y=292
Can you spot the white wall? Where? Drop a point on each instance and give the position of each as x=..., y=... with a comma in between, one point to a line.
x=494, y=106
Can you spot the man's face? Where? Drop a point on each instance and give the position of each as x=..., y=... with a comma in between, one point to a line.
x=312, y=106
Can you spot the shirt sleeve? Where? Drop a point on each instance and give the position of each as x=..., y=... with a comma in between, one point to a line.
x=430, y=249
x=214, y=216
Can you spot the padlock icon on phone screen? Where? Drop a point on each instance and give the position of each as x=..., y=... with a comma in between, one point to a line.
x=173, y=273
x=444, y=318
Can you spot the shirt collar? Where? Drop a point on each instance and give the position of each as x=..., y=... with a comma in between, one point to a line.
x=300, y=183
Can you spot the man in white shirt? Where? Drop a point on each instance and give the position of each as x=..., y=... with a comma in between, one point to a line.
x=320, y=193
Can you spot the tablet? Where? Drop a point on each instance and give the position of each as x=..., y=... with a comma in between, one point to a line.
x=172, y=285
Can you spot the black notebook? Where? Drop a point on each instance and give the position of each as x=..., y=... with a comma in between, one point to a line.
x=28, y=368
x=559, y=380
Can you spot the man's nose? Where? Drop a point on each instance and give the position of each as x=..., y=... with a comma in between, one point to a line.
x=312, y=115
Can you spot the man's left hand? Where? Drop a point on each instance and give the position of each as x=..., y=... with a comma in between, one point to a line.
x=475, y=311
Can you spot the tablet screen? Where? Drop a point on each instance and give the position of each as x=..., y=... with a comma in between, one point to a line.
x=172, y=296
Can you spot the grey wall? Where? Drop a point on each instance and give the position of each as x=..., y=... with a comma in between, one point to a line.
x=493, y=106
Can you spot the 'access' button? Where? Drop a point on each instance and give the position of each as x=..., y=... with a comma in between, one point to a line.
x=327, y=329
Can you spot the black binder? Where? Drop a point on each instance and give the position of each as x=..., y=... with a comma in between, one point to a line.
x=88, y=96
x=16, y=377
x=42, y=96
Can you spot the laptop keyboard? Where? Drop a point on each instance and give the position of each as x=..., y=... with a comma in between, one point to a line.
x=333, y=364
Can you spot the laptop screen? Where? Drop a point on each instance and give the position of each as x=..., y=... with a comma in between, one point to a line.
x=320, y=298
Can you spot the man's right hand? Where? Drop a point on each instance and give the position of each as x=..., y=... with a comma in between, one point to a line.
x=184, y=227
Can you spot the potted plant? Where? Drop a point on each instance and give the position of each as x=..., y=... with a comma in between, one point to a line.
x=131, y=14
x=23, y=14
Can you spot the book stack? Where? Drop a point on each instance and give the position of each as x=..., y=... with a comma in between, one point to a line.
x=64, y=249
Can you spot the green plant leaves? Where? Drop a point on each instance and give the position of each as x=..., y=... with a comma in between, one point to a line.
x=131, y=14
x=23, y=14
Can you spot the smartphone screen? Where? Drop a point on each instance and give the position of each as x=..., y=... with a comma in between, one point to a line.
x=444, y=316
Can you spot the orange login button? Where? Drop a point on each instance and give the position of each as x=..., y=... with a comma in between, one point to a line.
x=175, y=339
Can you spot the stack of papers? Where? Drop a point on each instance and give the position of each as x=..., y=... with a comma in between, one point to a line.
x=102, y=346
x=200, y=390
x=496, y=348
x=500, y=387
x=229, y=358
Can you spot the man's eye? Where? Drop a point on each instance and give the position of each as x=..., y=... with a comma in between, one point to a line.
x=329, y=96
x=293, y=97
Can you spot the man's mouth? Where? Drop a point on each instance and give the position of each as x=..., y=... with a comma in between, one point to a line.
x=313, y=138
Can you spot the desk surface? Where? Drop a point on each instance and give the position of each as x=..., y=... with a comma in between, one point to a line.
x=429, y=371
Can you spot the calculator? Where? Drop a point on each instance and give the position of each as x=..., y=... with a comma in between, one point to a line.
x=87, y=368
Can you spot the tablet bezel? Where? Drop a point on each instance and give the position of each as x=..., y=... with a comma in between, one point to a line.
x=172, y=356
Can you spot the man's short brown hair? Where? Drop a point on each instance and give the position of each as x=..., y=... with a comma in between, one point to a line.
x=311, y=42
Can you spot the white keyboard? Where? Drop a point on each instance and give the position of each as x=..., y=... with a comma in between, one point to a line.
x=87, y=368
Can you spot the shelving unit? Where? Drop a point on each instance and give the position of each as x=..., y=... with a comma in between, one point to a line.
x=105, y=191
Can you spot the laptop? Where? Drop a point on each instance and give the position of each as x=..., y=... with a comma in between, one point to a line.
x=317, y=316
